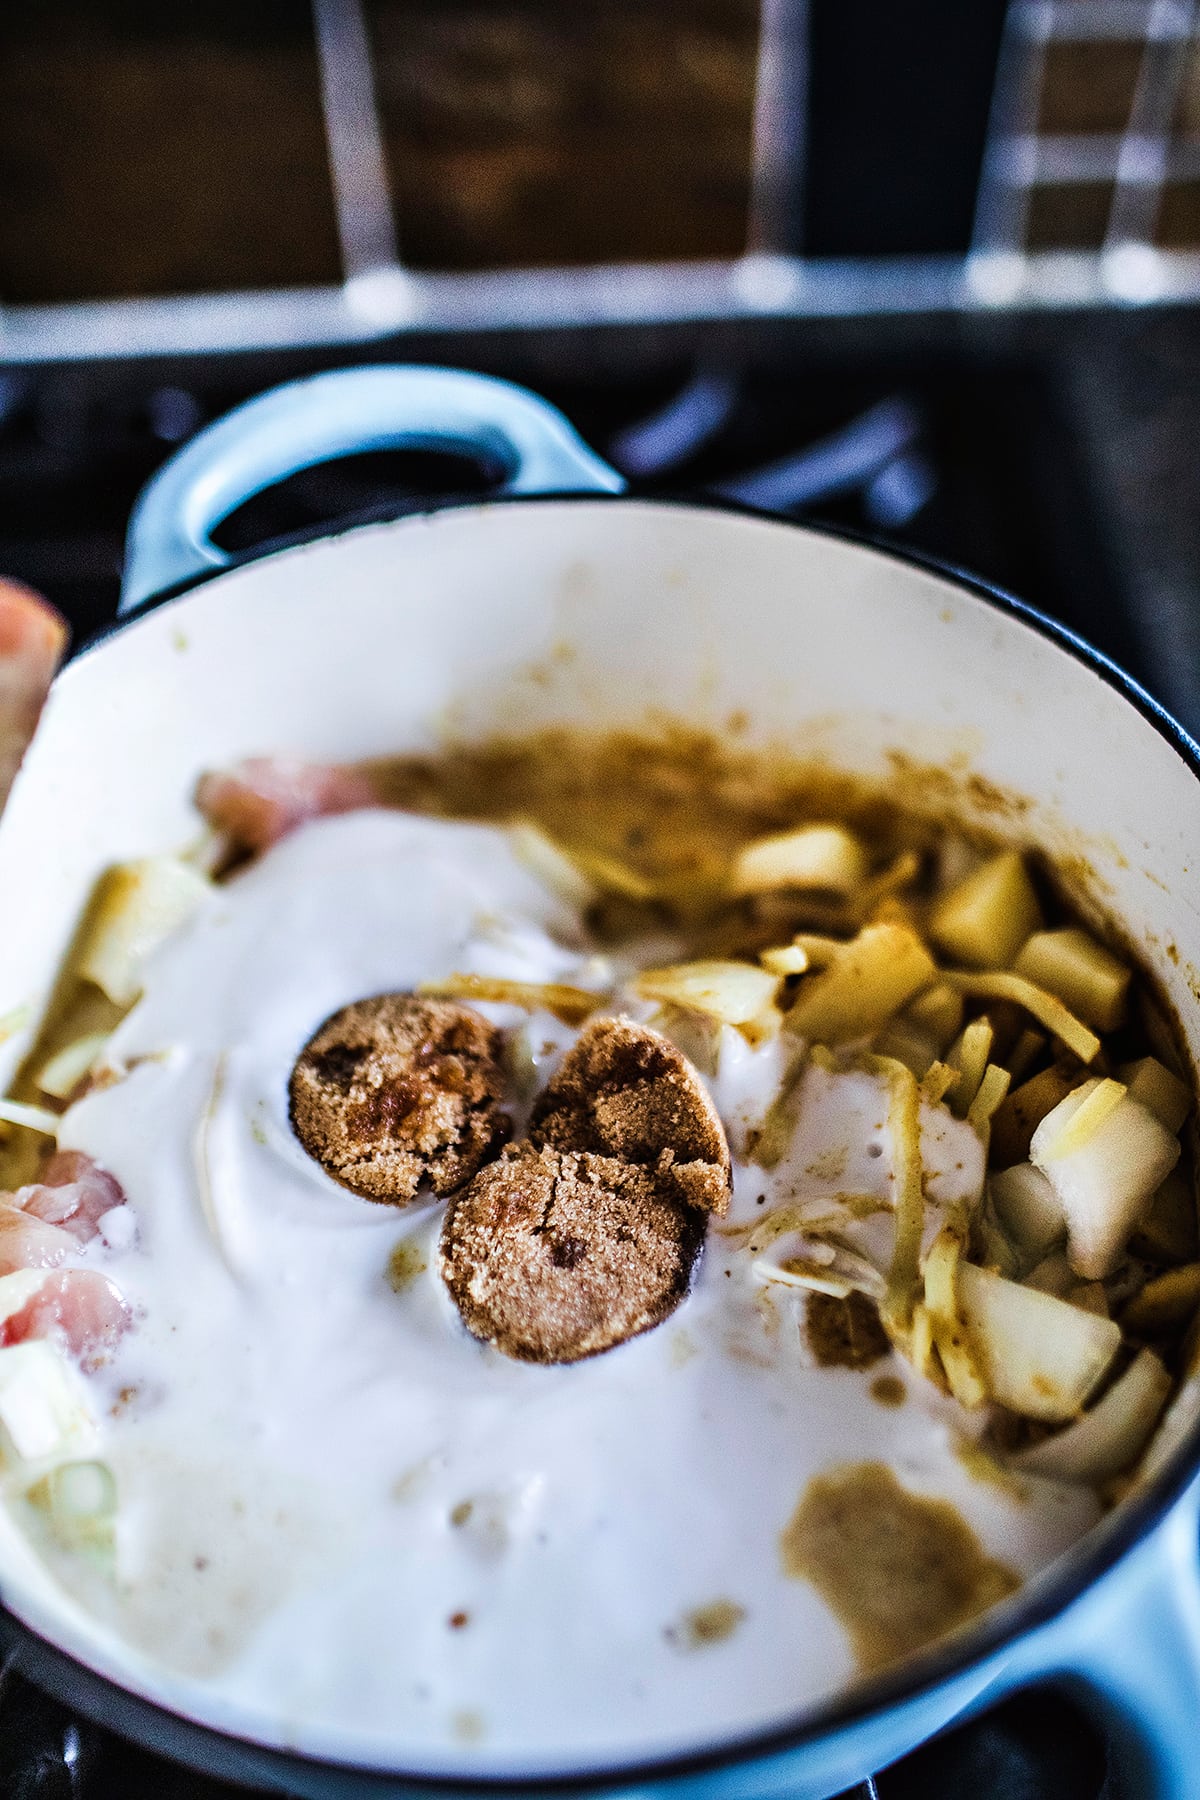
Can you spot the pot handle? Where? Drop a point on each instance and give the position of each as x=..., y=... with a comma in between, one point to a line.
x=1130, y=1649
x=289, y=428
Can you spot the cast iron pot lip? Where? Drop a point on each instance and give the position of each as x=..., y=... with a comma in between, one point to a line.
x=952, y=1659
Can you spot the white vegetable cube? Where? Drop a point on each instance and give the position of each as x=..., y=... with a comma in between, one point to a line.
x=1039, y=1356
x=138, y=906
x=1028, y=1208
x=1155, y=1086
x=1109, y=1437
x=42, y=1407
x=985, y=919
x=1086, y=977
x=824, y=857
x=1104, y=1177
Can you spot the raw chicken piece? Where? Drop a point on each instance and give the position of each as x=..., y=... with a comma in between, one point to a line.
x=265, y=797
x=27, y=1242
x=74, y=1192
x=80, y=1306
x=32, y=640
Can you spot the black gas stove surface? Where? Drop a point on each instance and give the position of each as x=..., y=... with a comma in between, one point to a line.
x=969, y=462
x=1003, y=464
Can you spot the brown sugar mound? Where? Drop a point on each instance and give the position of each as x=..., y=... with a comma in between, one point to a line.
x=588, y=1234
x=395, y=1093
x=626, y=1091
x=553, y=1256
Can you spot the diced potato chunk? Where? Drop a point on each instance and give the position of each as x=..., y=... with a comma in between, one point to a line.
x=1151, y=1082
x=985, y=919
x=1039, y=1356
x=1085, y=976
x=1109, y=1437
x=1028, y=1208
x=1105, y=1182
x=42, y=1408
x=868, y=980
x=736, y=993
x=138, y=906
x=827, y=858
x=1165, y=1303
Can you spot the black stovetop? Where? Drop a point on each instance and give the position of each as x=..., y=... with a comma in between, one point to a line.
x=1001, y=461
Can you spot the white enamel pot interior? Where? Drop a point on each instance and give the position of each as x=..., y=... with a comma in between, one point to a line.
x=601, y=613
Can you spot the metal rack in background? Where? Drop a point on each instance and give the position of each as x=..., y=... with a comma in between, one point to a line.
x=1138, y=162
x=379, y=296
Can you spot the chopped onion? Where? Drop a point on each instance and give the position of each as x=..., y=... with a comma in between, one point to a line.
x=827, y=858
x=34, y=1118
x=736, y=993
x=1039, y=1356
x=137, y=907
x=613, y=877
x=1104, y=1183
x=1111, y=1435
x=42, y=1408
x=867, y=980
x=1028, y=1208
x=797, y=1271
x=80, y=1499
